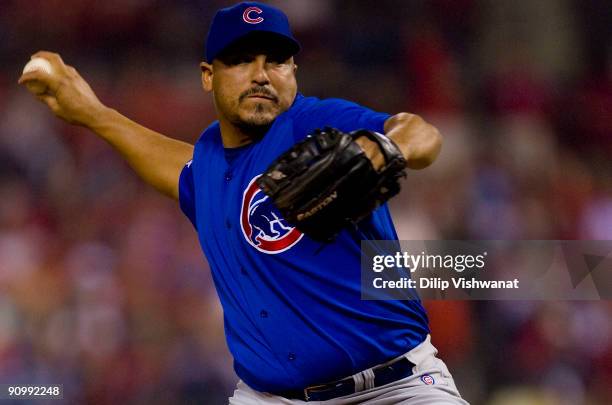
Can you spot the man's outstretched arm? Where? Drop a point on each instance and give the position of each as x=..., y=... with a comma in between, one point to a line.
x=156, y=158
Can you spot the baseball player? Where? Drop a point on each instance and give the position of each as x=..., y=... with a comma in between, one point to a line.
x=294, y=320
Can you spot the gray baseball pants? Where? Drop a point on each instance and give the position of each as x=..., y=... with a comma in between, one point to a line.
x=430, y=384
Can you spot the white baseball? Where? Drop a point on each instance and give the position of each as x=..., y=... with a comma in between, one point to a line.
x=37, y=64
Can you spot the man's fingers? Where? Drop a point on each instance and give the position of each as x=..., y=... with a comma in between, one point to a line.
x=33, y=75
x=57, y=64
x=372, y=151
x=38, y=82
x=52, y=57
x=50, y=101
x=49, y=79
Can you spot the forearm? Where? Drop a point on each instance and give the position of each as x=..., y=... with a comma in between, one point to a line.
x=419, y=141
x=156, y=158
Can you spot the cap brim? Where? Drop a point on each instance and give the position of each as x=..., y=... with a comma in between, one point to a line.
x=261, y=42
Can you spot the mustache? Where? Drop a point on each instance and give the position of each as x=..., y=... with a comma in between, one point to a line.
x=258, y=90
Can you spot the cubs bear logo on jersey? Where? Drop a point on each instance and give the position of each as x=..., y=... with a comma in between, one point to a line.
x=262, y=225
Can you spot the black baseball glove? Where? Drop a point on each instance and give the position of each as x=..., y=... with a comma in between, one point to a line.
x=326, y=182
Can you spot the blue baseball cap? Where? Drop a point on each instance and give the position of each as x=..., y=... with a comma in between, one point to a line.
x=236, y=22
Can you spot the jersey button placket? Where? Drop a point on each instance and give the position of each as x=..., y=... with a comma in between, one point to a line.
x=227, y=176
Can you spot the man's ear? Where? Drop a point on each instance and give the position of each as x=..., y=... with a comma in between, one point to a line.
x=207, y=75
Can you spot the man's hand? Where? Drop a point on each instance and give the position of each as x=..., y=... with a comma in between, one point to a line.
x=372, y=152
x=68, y=95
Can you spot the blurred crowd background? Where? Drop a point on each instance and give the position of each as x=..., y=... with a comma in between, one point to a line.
x=103, y=287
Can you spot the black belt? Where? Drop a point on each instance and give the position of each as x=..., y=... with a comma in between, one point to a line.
x=385, y=374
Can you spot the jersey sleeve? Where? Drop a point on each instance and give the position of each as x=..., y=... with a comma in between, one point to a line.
x=340, y=114
x=187, y=193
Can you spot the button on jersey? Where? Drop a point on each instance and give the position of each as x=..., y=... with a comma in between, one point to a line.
x=292, y=308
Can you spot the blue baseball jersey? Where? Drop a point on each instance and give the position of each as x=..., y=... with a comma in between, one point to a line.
x=292, y=308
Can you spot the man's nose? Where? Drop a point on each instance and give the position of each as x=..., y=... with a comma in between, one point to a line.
x=260, y=74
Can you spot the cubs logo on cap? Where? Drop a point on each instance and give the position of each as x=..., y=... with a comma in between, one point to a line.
x=233, y=23
x=248, y=18
x=262, y=224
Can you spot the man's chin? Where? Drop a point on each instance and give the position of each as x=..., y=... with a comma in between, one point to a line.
x=260, y=118
x=256, y=124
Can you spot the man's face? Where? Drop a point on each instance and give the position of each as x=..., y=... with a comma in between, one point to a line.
x=252, y=83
